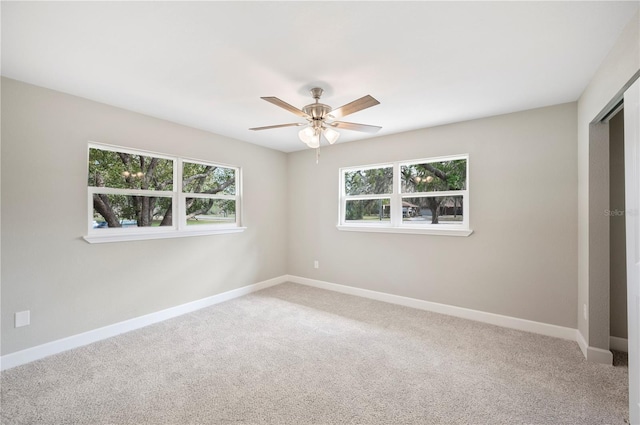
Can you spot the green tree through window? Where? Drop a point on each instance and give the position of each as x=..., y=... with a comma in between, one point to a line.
x=436, y=177
x=128, y=171
x=420, y=194
x=137, y=190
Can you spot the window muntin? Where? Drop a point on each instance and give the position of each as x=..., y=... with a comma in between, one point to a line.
x=134, y=192
x=426, y=194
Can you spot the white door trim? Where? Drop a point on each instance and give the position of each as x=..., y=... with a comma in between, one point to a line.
x=632, y=221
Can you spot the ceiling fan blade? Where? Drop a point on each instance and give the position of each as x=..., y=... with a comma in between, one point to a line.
x=356, y=127
x=355, y=106
x=286, y=106
x=293, y=124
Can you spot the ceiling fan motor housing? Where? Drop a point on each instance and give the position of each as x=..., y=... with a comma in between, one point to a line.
x=317, y=111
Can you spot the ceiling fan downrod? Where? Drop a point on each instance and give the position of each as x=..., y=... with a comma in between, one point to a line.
x=317, y=111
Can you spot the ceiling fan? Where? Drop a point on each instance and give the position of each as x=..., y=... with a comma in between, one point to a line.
x=321, y=118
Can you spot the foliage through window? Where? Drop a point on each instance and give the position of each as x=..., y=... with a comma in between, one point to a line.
x=211, y=193
x=369, y=191
x=427, y=194
x=422, y=179
x=140, y=192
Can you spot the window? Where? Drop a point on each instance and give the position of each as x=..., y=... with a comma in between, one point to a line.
x=209, y=193
x=368, y=194
x=141, y=195
x=418, y=196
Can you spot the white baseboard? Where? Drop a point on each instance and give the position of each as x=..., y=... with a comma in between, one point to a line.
x=594, y=354
x=582, y=343
x=619, y=344
x=38, y=352
x=465, y=313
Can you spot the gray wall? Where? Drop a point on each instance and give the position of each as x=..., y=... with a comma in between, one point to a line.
x=71, y=286
x=521, y=259
x=617, y=229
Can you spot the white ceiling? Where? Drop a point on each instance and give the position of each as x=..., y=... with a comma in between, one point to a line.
x=206, y=64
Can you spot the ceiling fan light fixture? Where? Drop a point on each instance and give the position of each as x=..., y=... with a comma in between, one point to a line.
x=306, y=134
x=331, y=135
x=315, y=141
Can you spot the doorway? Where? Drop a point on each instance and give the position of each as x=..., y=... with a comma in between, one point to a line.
x=605, y=271
x=617, y=241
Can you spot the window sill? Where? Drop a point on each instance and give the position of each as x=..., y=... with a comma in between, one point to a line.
x=121, y=237
x=409, y=230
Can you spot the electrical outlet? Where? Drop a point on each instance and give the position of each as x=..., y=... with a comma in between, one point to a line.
x=316, y=264
x=22, y=318
x=584, y=311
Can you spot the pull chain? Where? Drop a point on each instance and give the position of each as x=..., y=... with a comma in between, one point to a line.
x=318, y=155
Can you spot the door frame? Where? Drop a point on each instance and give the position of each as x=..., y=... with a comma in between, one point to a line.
x=598, y=337
x=632, y=221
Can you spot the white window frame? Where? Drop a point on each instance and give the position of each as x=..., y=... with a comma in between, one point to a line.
x=344, y=197
x=396, y=224
x=179, y=227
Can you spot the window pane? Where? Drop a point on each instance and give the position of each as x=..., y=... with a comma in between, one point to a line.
x=210, y=211
x=130, y=211
x=129, y=171
x=434, y=176
x=199, y=178
x=432, y=210
x=367, y=210
x=369, y=182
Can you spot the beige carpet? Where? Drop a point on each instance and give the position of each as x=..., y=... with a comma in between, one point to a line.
x=298, y=355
